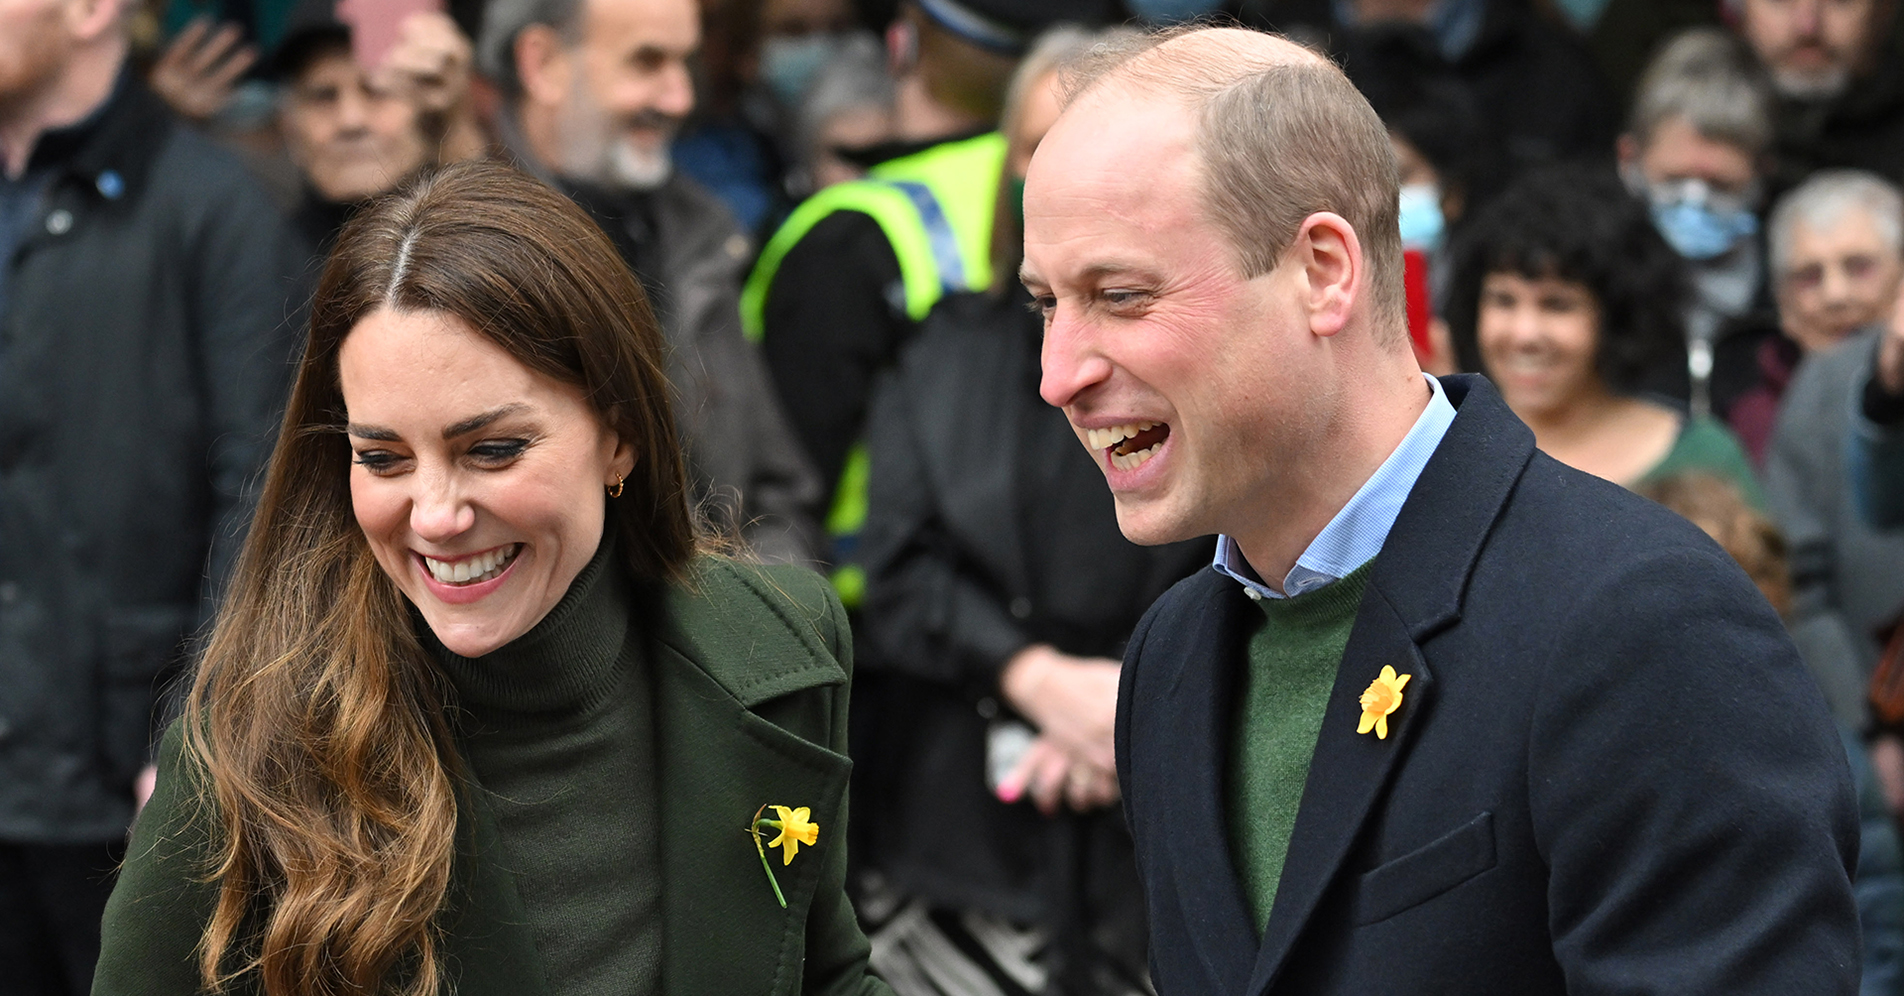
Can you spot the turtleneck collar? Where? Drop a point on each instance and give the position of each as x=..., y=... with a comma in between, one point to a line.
x=565, y=663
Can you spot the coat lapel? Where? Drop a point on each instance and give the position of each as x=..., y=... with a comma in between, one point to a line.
x=1194, y=728
x=724, y=931
x=1415, y=589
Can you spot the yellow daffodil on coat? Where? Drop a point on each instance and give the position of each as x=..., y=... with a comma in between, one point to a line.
x=794, y=831
x=1383, y=697
x=796, y=828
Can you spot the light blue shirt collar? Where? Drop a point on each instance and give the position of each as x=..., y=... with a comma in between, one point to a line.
x=1357, y=532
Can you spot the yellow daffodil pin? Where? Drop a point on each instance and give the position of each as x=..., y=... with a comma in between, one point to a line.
x=1383, y=697
x=796, y=828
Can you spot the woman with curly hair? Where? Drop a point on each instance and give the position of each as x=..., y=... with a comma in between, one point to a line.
x=483, y=712
x=1566, y=297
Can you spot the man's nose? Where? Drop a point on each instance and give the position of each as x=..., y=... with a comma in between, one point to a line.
x=439, y=511
x=676, y=96
x=1835, y=287
x=1807, y=17
x=353, y=109
x=1072, y=364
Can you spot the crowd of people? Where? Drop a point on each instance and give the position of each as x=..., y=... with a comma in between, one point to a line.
x=1671, y=234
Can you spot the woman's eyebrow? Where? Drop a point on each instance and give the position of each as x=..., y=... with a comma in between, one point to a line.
x=475, y=422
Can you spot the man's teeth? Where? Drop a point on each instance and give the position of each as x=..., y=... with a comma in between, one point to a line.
x=1132, y=461
x=474, y=569
x=1104, y=439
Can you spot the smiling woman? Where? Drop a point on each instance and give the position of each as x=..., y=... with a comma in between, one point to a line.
x=481, y=711
x=1566, y=297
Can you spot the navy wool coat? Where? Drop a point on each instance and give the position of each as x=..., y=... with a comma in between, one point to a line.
x=1610, y=772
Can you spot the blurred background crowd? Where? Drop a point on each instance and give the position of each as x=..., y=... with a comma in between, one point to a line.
x=1670, y=231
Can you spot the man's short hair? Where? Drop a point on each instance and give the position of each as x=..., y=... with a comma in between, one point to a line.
x=503, y=20
x=1708, y=78
x=1822, y=201
x=1279, y=141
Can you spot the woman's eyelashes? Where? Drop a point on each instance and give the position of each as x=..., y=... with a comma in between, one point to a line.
x=487, y=454
x=377, y=461
x=494, y=452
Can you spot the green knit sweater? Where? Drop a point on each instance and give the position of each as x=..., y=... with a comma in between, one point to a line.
x=1293, y=657
x=559, y=731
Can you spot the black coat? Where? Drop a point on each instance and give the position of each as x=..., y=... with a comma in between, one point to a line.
x=989, y=529
x=1610, y=773
x=144, y=356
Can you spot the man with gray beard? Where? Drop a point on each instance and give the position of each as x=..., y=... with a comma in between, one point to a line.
x=594, y=92
x=1838, y=69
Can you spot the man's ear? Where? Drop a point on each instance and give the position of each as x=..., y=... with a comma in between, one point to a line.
x=544, y=64
x=90, y=19
x=1333, y=270
x=1626, y=149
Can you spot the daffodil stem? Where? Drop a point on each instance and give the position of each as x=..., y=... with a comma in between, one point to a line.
x=754, y=832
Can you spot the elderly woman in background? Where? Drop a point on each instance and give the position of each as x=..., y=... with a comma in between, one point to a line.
x=1696, y=149
x=1564, y=295
x=480, y=713
x=1837, y=245
x=999, y=597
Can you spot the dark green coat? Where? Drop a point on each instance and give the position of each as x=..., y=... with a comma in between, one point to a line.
x=751, y=670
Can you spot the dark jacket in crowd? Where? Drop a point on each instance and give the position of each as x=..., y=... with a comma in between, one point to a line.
x=1877, y=457
x=1534, y=79
x=744, y=461
x=1847, y=578
x=1609, y=771
x=990, y=529
x=1879, y=882
x=144, y=355
x=1863, y=128
x=691, y=257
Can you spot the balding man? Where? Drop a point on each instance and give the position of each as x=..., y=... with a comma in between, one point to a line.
x=1447, y=716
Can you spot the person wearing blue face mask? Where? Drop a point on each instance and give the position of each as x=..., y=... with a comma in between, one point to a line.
x=1696, y=151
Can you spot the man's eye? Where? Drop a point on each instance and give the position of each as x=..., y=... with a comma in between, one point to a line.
x=498, y=450
x=1043, y=305
x=1124, y=298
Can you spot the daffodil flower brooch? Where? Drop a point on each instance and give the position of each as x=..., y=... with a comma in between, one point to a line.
x=1383, y=697
x=795, y=829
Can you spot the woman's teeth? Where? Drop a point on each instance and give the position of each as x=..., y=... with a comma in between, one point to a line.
x=473, y=570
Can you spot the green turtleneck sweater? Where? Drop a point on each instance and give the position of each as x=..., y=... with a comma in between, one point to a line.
x=1293, y=657
x=559, y=731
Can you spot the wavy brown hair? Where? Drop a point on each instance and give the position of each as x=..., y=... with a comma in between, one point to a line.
x=315, y=718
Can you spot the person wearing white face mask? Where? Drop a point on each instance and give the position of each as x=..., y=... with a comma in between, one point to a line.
x=1696, y=149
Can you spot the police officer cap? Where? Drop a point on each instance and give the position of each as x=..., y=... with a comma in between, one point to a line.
x=1008, y=27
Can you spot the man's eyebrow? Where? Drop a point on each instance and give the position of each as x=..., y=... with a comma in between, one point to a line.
x=475, y=422
x=1090, y=274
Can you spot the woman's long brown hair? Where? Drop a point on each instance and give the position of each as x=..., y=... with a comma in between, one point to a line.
x=315, y=719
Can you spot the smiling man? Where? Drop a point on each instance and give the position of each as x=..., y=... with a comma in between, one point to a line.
x=1446, y=715
x=594, y=91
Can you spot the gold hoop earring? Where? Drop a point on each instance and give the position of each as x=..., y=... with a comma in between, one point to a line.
x=614, y=490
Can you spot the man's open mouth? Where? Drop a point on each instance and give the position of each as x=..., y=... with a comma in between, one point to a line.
x=1128, y=446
